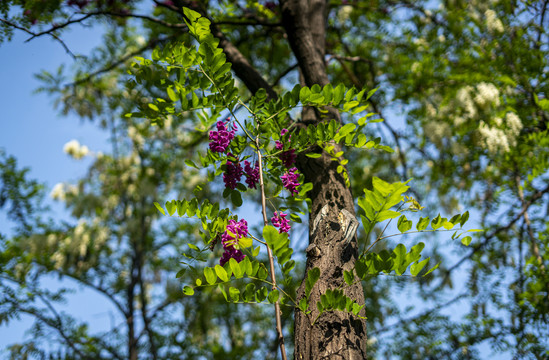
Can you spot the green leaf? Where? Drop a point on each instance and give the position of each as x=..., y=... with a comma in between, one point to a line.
x=180, y=273
x=234, y=293
x=221, y=287
x=313, y=155
x=432, y=269
x=404, y=224
x=171, y=94
x=303, y=305
x=236, y=198
x=235, y=268
x=261, y=294
x=157, y=205
x=349, y=277
x=210, y=276
x=273, y=296
x=189, y=162
x=221, y=273
x=447, y=224
x=346, y=129
x=245, y=242
x=464, y=218
x=248, y=294
x=418, y=266
x=387, y=214
x=191, y=14
x=262, y=272
x=304, y=94
x=187, y=290
x=255, y=252
x=270, y=235
x=436, y=222
x=171, y=206
x=339, y=93
x=312, y=277
x=466, y=240
x=422, y=223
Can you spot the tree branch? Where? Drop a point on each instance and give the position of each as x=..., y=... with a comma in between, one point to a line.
x=536, y=196
x=58, y=27
x=38, y=34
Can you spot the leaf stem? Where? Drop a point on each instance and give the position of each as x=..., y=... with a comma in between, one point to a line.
x=270, y=253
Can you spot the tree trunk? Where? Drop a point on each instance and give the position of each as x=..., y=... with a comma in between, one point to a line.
x=335, y=335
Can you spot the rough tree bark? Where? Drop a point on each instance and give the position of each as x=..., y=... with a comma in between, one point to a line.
x=335, y=335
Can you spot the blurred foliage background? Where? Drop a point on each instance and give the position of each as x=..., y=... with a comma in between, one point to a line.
x=463, y=90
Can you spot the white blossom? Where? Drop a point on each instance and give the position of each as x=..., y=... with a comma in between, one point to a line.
x=493, y=23
x=430, y=110
x=459, y=120
x=140, y=40
x=465, y=100
x=487, y=93
x=344, y=13
x=74, y=149
x=437, y=130
x=441, y=38
x=493, y=139
x=58, y=192
x=416, y=67
x=420, y=42
x=514, y=124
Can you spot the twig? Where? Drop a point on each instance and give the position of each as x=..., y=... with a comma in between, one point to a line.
x=37, y=34
x=57, y=27
x=120, y=61
x=138, y=16
x=537, y=195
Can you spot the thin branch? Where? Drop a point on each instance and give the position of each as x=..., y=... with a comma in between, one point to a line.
x=256, y=22
x=58, y=27
x=120, y=61
x=283, y=74
x=137, y=16
x=419, y=316
x=99, y=289
x=537, y=195
x=36, y=34
x=269, y=253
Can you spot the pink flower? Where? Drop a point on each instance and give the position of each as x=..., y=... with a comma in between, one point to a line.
x=232, y=174
x=279, y=220
x=252, y=174
x=231, y=253
x=221, y=138
x=234, y=232
x=289, y=181
x=287, y=157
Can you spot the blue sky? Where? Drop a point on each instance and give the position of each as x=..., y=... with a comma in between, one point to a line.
x=35, y=133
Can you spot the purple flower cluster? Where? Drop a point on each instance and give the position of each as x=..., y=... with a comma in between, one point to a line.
x=287, y=157
x=252, y=174
x=234, y=232
x=289, y=181
x=221, y=138
x=279, y=220
x=232, y=174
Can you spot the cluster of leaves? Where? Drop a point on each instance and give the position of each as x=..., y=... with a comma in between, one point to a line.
x=204, y=68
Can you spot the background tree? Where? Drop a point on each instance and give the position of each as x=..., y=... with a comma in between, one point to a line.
x=470, y=80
